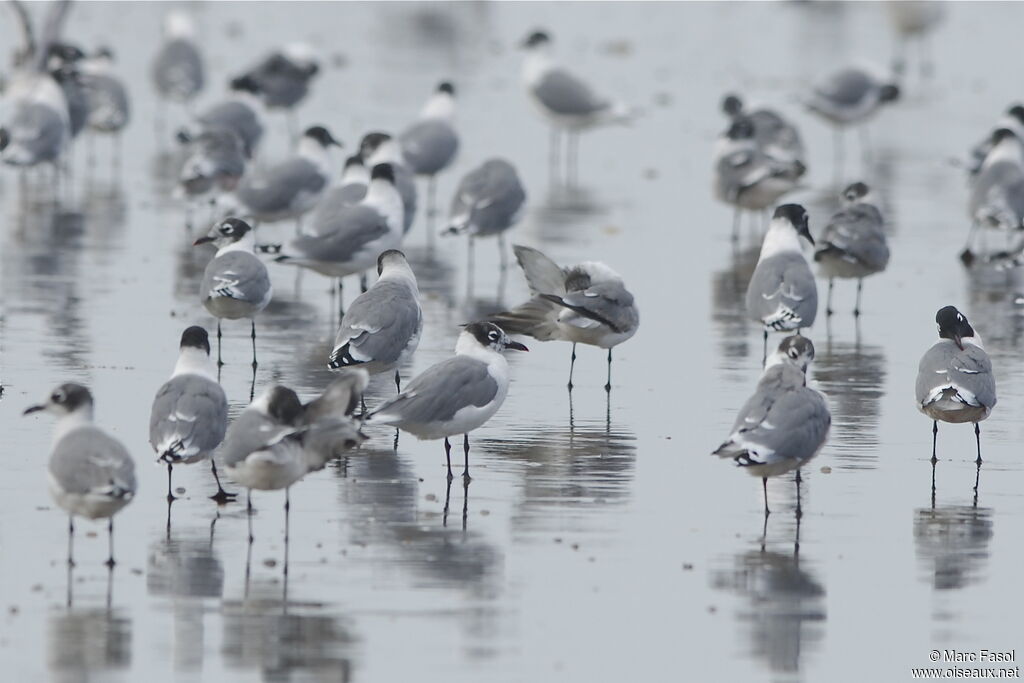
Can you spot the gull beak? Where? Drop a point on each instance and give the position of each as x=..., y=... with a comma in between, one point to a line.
x=516, y=346
x=33, y=409
x=202, y=240
x=807, y=234
x=336, y=143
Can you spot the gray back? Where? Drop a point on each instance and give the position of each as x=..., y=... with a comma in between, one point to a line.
x=440, y=392
x=251, y=431
x=236, y=275
x=236, y=116
x=565, y=94
x=491, y=195
x=858, y=232
x=338, y=237
x=192, y=410
x=275, y=189
x=429, y=145
x=178, y=70
x=380, y=323
x=88, y=459
x=783, y=282
x=846, y=88
x=970, y=369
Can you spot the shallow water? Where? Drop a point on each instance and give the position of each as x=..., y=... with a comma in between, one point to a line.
x=598, y=540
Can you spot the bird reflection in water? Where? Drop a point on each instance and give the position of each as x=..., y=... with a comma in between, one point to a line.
x=283, y=639
x=786, y=603
x=729, y=310
x=186, y=570
x=952, y=543
x=86, y=640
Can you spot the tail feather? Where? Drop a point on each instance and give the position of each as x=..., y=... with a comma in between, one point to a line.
x=536, y=318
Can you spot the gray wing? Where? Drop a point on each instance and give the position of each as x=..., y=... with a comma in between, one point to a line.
x=336, y=198
x=563, y=93
x=968, y=371
x=252, y=431
x=606, y=303
x=771, y=130
x=36, y=134
x=189, y=417
x=339, y=237
x=281, y=82
x=488, y=200
x=856, y=234
x=218, y=157
x=795, y=427
x=429, y=145
x=178, y=70
x=236, y=275
x=378, y=325
x=276, y=188
x=782, y=293
x=543, y=274
x=339, y=399
x=109, y=108
x=236, y=116
x=88, y=460
x=846, y=88
x=440, y=392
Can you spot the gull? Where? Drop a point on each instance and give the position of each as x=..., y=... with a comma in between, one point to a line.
x=289, y=188
x=349, y=240
x=488, y=201
x=586, y=303
x=913, y=20
x=997, y=191
x=177, y=70
x=277, y=440
x=239, y=114
x=350, y=188
x=849, y=97
x=380, y=148
x=456, y=395
x=774, y=135
x=382, y=327
x=1012, y=120
x=565, y=100
x=746, y=176
x=216, y=163
x=190, y=411
x=91, y=473
x=954, y=379
x=853, y=244
x=107, y=94
x=235, y=283
x=429, y=145
x=282, y=78
x=782, y=294
x=784, y=423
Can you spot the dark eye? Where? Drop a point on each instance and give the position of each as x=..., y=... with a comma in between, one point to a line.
x=58, y=397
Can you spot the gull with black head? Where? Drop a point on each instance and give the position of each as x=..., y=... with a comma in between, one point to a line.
x=429, y=145
x=190, y=411
x=381, y=148
x=235, y=283
x=954, y=379
x=782, y=294
x=91, y=473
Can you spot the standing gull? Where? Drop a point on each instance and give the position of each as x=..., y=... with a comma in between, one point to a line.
x=380, y=148
x=235, y=283
x=190, y=411
x=107, y=94
x=91, y=474
x=282, y=78
x=350, y=188
x=568, y=102
x=277, y=440
x=774, y=135
x=178, y=72
x=853, y=244
x=37, y=127
x=429, y=145
x=217, y=162
x=849, y=97
x=997, y=191
x=746, y=176
x=954, y=380
x=488, y=201
x=349, y=240
x=382, y=327
x=289, y=188
x=782, y=294
x=239, y=114
x=457, y=395
x=586, y=303
x=784, y=423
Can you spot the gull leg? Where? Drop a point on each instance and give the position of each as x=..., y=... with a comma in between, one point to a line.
x=764, y=487
x=447, y=498
x=470, y=265
x=799, y=508
x=248, y=512
x=977, y=437
x=933, y=484
x=220, y=362
x=935, y=437
x=71, y=541
x=764, y=353
x=977, y=480
x=856, y=307
x=572, y=365
x=254, y=363
x=448, y=457
x=287, y=521
x=838, y=148
x=363, y=285
x=465, y=455
x=221, y=496
x=828, y=304
x=170, y=495
x=341, y=300
x=553, y=156
x=110, y=543
x=865, y=144
x=736, y=224
x=608, y=383
x=465, y=502
x=431, y=210
x=398, y=382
